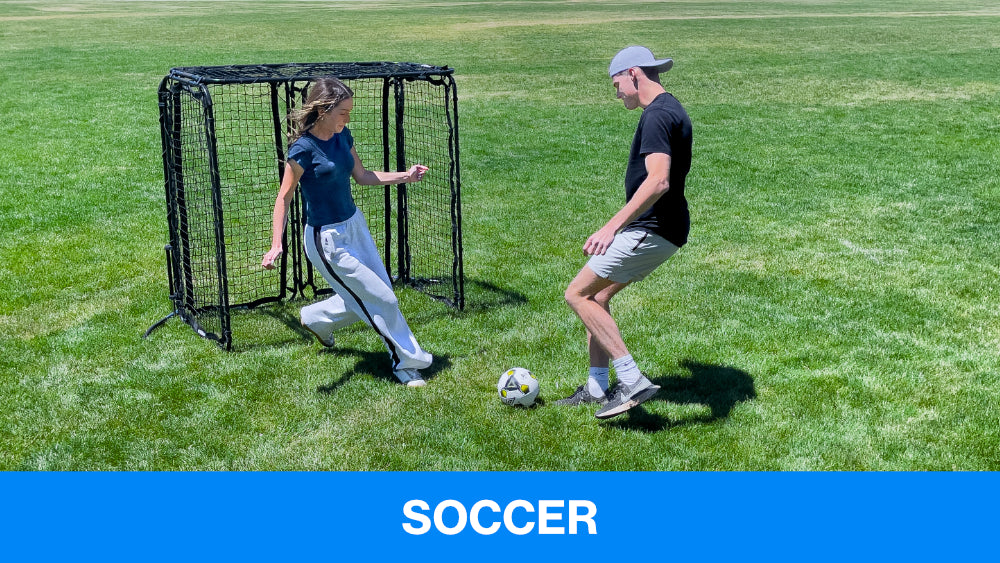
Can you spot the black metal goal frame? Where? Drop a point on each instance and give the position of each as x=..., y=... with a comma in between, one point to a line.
x=224, y=133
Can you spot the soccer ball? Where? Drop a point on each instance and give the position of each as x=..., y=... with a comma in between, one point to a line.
x=517, y=387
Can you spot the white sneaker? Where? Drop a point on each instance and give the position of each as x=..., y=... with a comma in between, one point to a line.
x=410, y=377
x=329, y=343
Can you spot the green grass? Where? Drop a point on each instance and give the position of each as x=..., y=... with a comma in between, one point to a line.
x=836, y=308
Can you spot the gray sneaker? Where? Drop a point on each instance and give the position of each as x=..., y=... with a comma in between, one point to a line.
x=626, y=397
x=580, y=396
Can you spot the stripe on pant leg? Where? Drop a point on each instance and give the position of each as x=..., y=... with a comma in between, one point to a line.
x=317, y=243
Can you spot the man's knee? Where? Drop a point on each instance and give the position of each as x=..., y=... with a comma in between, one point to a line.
x=604, y=297
x=578, y=294
x=572, y=296
x=587, y=289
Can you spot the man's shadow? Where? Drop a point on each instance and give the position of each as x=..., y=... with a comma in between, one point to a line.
x=377, y=365
x=717, y=387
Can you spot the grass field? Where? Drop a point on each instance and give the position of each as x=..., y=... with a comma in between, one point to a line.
x=835, y=309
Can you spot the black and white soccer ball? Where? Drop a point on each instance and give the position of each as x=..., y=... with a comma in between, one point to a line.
x=517, y=387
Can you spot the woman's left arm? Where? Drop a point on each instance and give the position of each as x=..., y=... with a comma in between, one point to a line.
x=365, y=177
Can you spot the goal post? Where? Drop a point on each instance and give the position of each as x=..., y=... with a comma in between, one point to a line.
x=224, y=132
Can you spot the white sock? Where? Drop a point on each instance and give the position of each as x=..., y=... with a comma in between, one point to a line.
x=626, y=370
x=597, y=382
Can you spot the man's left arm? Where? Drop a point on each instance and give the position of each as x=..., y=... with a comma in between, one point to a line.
x=656, y=184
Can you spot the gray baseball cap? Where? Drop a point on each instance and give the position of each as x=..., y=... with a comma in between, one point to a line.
x=640, y=57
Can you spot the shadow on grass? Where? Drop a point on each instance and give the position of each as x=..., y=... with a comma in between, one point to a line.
x=481, y=296
x=717, y=387
x=289, y=319
x=484, y=296
x=377, y=365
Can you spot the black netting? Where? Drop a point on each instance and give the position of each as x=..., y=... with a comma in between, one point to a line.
x=306, y=71
x=225, y=137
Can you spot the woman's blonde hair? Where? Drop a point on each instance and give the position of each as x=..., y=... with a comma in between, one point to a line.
x=324, y=95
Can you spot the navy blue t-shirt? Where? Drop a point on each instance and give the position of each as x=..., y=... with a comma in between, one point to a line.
x=326, y=177
x=664, y=127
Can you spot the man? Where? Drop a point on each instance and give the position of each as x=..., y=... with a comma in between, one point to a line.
x=650, y=228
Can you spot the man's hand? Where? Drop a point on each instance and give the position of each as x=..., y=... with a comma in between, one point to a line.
x=599, y=242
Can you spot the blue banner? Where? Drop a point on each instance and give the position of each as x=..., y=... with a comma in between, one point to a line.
x=498, y=516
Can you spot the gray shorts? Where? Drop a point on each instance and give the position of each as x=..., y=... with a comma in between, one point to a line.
x=632, y=256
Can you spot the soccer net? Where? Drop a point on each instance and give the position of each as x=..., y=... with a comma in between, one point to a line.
x=225, y=136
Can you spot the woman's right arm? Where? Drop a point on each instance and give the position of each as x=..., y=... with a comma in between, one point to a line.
x=288, y=182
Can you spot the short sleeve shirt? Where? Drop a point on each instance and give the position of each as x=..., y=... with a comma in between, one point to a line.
x=664, y=127
x=326, y=177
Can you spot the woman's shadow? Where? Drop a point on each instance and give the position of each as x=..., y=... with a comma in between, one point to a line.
x=376, y=364
x=717, y=387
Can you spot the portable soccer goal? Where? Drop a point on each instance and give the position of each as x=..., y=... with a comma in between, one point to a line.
x=224, y=131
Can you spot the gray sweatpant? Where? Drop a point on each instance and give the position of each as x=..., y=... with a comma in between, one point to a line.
x=345, y=254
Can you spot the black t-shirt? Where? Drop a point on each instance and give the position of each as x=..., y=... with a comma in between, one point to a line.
x=664, y=127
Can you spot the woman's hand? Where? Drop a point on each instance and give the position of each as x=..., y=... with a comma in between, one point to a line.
x=270, y=257
x=416, y=173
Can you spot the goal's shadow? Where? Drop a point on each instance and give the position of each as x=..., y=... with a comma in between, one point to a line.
x=266, y=325
x=708, y=394
x=485, y=296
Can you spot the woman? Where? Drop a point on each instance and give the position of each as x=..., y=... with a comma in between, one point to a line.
x=322, y=160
